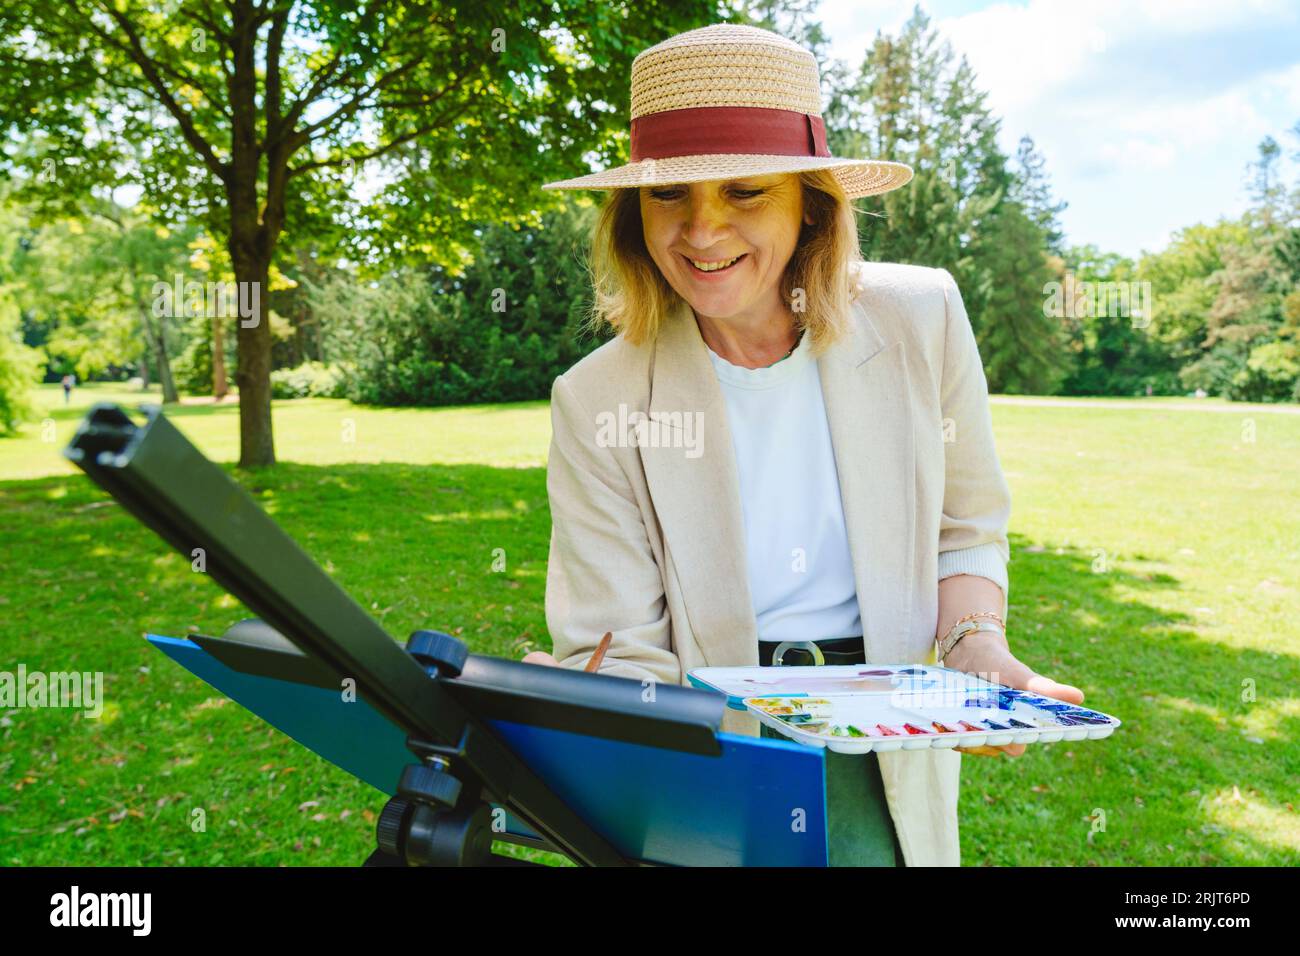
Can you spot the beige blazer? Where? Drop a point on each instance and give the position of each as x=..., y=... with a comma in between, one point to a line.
x=647, y=535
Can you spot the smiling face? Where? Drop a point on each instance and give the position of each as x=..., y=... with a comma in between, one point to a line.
x=754, y=220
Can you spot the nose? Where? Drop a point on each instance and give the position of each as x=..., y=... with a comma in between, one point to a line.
x=706, y=220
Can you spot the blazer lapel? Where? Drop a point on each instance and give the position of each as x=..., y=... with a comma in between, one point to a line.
x=697, y=495
x=865, y=389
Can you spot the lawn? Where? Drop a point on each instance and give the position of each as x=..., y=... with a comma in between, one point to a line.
x=1155, y=564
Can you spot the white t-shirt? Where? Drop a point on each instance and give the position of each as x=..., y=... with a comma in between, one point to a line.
x=800, y=567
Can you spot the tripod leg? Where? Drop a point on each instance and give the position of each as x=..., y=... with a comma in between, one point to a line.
x=380, y=858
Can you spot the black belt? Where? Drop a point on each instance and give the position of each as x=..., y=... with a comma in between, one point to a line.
x=834, y=650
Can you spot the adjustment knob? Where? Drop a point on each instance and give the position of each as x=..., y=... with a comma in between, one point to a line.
x=388, y=831
x=439, y=650
x=429, y=784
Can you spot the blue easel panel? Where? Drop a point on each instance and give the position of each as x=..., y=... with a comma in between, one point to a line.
x=761, y=803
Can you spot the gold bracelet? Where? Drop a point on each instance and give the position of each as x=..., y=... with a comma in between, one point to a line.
x=978, y=614
x=960, y=630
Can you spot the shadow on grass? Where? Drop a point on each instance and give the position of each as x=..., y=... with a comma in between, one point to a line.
x=77, y=412
x=81, y=582
x=1163, y=785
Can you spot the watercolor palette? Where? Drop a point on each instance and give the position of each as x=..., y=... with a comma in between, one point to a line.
x=858, y=708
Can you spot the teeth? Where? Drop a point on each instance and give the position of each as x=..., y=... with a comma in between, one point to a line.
x=714, y=266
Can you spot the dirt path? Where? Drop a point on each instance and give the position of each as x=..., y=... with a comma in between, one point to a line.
x=1243, y=408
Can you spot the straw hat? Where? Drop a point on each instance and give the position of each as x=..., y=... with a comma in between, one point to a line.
x=726, y=101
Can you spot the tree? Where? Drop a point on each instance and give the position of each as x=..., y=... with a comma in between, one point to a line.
x=19, y=364
x=499, y=331
x=1227, y=296
x=1183, y=284
x=1032, y=190
x=89, y=280
x=914, y=101
x=19, y=367
x=147, y=257
x=1023, y=350
x=1265, y=185
x=1112, y=353
x=76, y=321
x=966, y=209
x=238, y=107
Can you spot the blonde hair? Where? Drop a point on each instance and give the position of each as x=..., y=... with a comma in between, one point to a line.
x=631, y=294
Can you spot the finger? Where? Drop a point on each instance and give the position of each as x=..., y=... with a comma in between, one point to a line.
x=1047, y=687
x=981, y=751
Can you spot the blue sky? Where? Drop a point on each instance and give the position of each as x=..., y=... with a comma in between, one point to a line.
x=1147, y=111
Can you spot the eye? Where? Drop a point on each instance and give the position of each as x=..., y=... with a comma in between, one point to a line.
x=664, y=193
x=748, y=193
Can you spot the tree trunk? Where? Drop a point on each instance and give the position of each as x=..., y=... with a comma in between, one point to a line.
x=253, y=234
x=256, y=442
x=220, y=383
x=156, y=336
x=165, y=377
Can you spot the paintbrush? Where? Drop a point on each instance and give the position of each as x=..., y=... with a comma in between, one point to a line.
x=594, y=664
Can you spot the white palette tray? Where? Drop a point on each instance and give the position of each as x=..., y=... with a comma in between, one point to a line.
x=858, y=708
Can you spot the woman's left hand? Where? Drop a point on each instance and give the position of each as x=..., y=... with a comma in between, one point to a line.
x=987, y=655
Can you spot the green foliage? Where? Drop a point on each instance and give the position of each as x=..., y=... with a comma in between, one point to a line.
x=1184, y=284
x=19, y=369
x=1272, y=374
x=1268, y=372
x=1111, y=345
x=86, y=282
x=428, y=251
x=1227, y=307
x=1022, y=348
x=1216, y=370
x=502, y=330
x=20, y=365
x=193, y=367
x=308, y=380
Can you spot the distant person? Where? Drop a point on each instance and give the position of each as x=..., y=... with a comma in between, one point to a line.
x=69, y=380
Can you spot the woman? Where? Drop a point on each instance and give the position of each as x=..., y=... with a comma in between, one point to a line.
x=786, y=455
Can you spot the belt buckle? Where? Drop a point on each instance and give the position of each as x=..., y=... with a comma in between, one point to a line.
x=810, y=646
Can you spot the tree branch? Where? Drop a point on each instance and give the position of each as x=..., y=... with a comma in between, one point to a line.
x=368, y=154
x=356, y=102
x=183, y=78
x=147, y=66
x=405, y=138
x=318, y=86
x=187, y=13
x=274, y=42
x=322, y=79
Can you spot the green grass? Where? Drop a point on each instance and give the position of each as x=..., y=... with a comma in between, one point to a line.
x=1154, y=564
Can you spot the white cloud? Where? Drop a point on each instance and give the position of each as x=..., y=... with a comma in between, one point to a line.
x=1136, y=154
x=1147, y=111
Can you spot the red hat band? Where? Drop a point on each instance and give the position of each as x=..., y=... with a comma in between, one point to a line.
x=703, y=130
